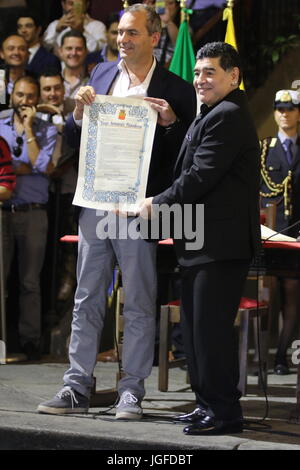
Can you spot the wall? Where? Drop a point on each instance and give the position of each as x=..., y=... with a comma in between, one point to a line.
x=261, y=103
x=100, y=9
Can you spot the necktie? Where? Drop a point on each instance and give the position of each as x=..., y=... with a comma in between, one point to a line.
x=287, y=145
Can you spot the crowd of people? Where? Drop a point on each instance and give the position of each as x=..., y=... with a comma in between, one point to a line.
x=208, y=158
x=59, y=59
x=43, y=72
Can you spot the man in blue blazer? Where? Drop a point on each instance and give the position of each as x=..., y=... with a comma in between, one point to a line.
x=29, y=27
x=137, y=74
x=217, y=167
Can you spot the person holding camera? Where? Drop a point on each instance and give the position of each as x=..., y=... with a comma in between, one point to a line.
x=75, y=16
x=31, y=142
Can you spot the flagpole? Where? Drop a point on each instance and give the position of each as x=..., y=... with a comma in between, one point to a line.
x=183, y=12
x=230, y=31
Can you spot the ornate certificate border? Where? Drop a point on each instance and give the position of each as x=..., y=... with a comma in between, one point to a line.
x=123, y=115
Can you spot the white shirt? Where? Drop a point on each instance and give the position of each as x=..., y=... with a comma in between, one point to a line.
x=32, y=51
x=93, y=30
x=121, y=86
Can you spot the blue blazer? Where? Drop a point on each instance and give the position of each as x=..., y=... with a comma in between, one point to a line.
x=181, y=97
x=43, y=59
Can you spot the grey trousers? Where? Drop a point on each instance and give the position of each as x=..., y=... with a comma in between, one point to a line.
x=28, y=232
x=96, y=260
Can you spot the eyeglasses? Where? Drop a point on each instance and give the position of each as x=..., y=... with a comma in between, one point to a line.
x=17, y=150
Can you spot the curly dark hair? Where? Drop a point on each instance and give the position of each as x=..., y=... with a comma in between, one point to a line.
x=228, y=55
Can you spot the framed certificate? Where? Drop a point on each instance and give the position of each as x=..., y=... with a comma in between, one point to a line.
x=115, y=152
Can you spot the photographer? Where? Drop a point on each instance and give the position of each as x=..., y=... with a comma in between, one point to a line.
x=75, y=16
x=31, y=142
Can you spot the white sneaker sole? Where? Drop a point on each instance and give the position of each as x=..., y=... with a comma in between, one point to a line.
x=60, y=411
x=128, y=415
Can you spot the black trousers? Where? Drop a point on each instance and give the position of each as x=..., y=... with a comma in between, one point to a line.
x=211, y=294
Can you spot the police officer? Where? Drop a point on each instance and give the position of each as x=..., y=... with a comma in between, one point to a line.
x=280, y=169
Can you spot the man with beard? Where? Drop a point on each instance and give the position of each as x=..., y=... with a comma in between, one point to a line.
x=63, y=173
x=137, y=74
x=31, y=142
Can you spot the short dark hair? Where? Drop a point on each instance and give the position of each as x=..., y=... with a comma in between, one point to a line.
x=28, y=79
x=228, y=55
x=51, y=72
x=112, y=18
x=73, y=33
x=31, y=14
x=153, y=21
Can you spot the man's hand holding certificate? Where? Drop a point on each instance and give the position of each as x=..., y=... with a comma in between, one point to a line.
x=116, y=144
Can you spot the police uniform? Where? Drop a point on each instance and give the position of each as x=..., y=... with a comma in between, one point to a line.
x=280, y=184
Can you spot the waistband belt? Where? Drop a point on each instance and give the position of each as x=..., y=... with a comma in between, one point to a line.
x=25, y=207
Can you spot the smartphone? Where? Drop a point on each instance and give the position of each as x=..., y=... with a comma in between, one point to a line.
x=79, y=7
x=160, y=7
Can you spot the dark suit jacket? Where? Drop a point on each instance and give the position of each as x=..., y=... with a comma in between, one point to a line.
x=278, y=167
x=179, y=94
x=218, y=166
x=41, y=60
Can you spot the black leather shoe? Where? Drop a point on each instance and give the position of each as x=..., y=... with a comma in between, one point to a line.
x=209, y=426
x=195, y=415
x=281, y=369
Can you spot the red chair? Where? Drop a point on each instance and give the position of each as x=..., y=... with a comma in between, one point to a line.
x=249, y=309
x=258, y=312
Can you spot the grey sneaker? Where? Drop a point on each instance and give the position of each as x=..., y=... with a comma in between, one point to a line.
x=129, y=407
x=66, y=401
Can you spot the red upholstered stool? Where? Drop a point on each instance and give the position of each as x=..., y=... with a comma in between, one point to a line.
x=250, y=309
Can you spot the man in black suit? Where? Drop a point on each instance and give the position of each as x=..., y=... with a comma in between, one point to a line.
x=218, y=166
x=137, y=74
x=280, y=169
x=30, y=28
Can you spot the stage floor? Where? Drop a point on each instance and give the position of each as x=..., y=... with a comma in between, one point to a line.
x=24, y=385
